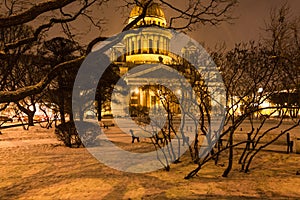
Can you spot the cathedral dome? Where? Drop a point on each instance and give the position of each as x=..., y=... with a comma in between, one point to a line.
x=154, y=10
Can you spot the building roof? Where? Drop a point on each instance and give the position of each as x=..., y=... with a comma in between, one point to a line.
x=154, y=10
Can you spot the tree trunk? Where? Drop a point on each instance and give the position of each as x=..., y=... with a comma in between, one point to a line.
x=230, y=158
x=99, y=110
x=28, y=112
x=30, y=118
x=62, y=114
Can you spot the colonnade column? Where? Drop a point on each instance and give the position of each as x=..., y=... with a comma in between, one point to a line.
x=129, y=46
x=161, y=44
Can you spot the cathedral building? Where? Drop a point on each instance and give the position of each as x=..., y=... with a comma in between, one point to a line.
x=147, y=46
x=150, y=47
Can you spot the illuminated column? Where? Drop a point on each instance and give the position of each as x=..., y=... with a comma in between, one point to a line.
x=145, y=46
x=155, y=47
x=136, y=44
x=142, y=44
x=147, y=43
x=133, y=45
x=165, y=44
x=129, y=46
x=157, y=44
x=161, y=45
x=151, y=45
x=168, y=45
x=125, y=42
x=139, y=44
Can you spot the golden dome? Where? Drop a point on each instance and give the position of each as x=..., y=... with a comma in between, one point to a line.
x=153, y=10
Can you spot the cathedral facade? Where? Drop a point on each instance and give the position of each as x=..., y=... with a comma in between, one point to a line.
x=150, y=47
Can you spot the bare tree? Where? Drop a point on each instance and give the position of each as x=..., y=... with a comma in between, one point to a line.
x=59, y=50
x=189, y=14
x=254, y=74
x=213, y=12
x=23, y=12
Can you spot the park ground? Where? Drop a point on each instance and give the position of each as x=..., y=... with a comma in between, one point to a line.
x=34, y=165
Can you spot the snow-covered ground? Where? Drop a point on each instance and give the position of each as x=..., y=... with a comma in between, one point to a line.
x=33, y=165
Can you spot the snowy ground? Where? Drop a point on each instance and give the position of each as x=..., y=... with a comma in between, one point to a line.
x=34, y=165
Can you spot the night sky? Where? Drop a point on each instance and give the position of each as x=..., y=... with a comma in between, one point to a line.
x=251, y=15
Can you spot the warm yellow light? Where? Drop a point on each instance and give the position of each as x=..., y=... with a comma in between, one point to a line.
x=136, y=90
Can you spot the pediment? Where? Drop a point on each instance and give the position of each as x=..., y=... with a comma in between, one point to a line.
x=151, y=71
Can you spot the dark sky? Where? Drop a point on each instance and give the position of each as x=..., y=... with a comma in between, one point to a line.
x=251, y=14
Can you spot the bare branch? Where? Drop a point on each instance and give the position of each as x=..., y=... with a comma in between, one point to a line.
x=33, y=12
x=13, y=96
x=45, y=27
x=211, y=12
